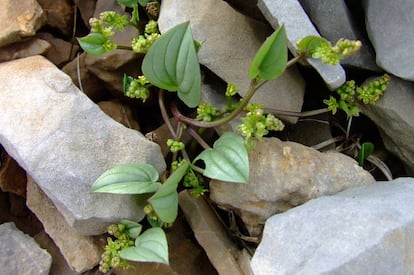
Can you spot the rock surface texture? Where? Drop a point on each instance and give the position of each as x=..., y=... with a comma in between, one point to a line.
x=20, y=254
x=393, y=42
x=284, y=175
x=65, y=142
x=298, y=25
x=363, y=230
x=229, y=41
x=18, y=23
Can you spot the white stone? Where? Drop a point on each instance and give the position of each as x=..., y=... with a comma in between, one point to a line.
x=65, y=142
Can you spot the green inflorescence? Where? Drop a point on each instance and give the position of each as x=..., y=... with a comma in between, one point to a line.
x=206, y=112
x=333, y=54
x=175, y=145
x=142, y=43
x=256, y=124
x=138, y=88
x=110, y=257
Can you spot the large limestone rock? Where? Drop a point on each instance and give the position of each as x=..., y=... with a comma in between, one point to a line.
x=298, y=25
x=284, y=175
x=393, y=114
x=20, y=254
x=19, y=19
x=363, y=230
x=230, y=41
x=65, y=142
x=393, y=41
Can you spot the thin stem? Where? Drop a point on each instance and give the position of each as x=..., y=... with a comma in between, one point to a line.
x=198, y=138
x=295, y=60
x=348, y=128
x=180, y=117
x=297, y=114
x=123, y=47
x=197, y=169
x=328, y=142
x=164, y=114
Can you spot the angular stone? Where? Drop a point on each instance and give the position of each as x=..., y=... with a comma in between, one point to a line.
x=363, y=230
x=61, y=51
x=121, y=113
x=284, y=175
x=392, y=41
x=393, y=115
x=26, y=48
x=230, y=41
x=59, y=14
x=86, y=81
x=86, y=9
x=210, y=234
x=298, y=25
x=80, y=252
x=334, y=21
x=65, y=142
x=20, y=254
x=18, y=23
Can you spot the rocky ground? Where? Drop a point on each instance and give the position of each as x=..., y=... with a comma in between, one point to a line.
x=64, y=121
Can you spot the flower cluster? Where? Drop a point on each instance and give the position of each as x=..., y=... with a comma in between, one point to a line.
x=142, y=43
x=138, y=88
x=333, y=54
x=349, y=92
x=110, y=257
x=256, y=124
x=175, y=145
x=206, y=112
x=191, y=181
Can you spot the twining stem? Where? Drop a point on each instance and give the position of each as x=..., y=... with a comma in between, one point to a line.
x=164, y=114
x=198, y=138
x=180, y=117
x=296, y=114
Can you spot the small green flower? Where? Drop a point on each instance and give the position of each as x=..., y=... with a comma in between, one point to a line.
x=138, y=88
x=109, y=46
x=332, y=104
x=206, y=112
x=175, y=145
x=114, y=20
x=231, y=89
x=345, y=47
x=142, y=43
x=334, y=54
x=151, y=27
x=371, y=92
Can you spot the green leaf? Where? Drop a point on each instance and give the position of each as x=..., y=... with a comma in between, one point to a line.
x=165, y=200
x=171, y=64
x=93, y=43
x=270, y=61
x=136, y=178
x=151, y=246
x=310, y=43
x=127, y=3
x=367, y=148
x=134, y=228
x=126, y=82
x=228, y=160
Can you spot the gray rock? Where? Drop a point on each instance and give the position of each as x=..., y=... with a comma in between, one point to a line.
x=284, y=175
x=18, y=23
x=334, y=21
x=110, y=67
x=363, y=230
x=298, y=25
x=30, y=47
x=61, y=51
x=230, y=41
x=80, y=252
x=65, y=142
x=393, y=115
x=393, y=41
x=20, y=254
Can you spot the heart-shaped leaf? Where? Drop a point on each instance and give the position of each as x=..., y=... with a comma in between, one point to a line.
x=228, y=160
x=133, y=178
x=93, y=43
x=270, y=61
x=165, y=200
x=310, y=43
x=171, y=64
x=134, y=228
x=151, y=246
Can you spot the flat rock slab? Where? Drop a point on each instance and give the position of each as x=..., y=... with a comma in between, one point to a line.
x=298, y=25
x=363, y=230
x=65, y=142
x=20, y=254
